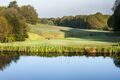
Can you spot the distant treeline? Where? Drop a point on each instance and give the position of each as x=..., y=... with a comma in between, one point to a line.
x=93, y=21
x=13, y=21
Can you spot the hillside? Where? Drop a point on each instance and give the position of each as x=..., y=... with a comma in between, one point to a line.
x=65, y=35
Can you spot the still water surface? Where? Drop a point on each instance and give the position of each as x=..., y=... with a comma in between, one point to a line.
x=58, y=68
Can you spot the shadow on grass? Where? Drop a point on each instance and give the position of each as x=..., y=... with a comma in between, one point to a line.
x=93, y=35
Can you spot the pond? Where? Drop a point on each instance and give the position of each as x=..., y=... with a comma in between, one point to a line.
x=82, y=67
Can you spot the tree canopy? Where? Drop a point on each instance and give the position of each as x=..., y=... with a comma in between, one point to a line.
x=29, y=13
x=114, y=20
x=13, y=21
x=93, y=21
x=13, y=4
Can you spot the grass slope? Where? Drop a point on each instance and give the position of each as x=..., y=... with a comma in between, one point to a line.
x=72, y=36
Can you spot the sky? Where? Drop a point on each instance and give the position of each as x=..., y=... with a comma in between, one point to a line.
x=59, y=8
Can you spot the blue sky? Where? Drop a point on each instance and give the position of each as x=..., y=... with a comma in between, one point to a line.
x=59, y=8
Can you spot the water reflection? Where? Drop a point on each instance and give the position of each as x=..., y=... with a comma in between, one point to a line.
x=7, y=58
x=117, y=62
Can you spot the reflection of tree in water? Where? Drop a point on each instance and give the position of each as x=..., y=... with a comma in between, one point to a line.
x=116, y=59
x=6, y=60
x=117, y=62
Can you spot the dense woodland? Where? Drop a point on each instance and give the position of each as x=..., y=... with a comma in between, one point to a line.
x=94, y=21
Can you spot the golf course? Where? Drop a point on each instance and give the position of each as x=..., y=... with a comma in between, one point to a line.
x=45, y=38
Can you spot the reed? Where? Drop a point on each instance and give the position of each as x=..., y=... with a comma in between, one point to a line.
x=47, y=48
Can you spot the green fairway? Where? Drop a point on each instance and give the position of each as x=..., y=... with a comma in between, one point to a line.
x=69, y=36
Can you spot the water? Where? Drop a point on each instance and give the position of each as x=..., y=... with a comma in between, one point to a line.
x=59, y=68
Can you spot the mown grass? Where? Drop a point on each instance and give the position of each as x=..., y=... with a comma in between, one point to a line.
x=55, y=32
x=54, y=39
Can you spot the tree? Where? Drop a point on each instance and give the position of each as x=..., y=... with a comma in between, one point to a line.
x=17, y=22
x=116, y=16
x=97, y=21
x=117, y=62
x=29, y=13
x=5, y=29
x=13, y=26
x=94, y=21
x=117, y=2
x=13, y=4
x=114, y=20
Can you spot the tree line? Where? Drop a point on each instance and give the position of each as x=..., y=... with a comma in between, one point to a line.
x=93, y=21
x=13, y=21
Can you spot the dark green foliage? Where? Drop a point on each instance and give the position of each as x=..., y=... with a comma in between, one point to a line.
x=95, y=21
x=114, y=20
x=111, y=22
x=117, y=18
x=13, y=4
x=29, y=13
